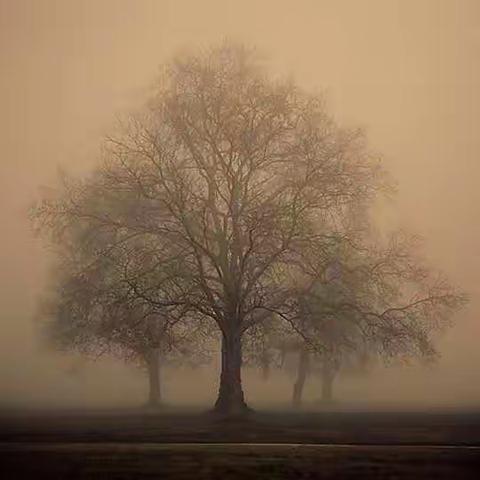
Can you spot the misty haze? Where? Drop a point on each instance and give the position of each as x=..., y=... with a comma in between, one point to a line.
x=239, y=223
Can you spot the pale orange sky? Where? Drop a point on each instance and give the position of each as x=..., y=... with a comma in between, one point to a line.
x=408, y=71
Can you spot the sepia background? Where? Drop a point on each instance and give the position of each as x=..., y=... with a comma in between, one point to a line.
x=408, y=71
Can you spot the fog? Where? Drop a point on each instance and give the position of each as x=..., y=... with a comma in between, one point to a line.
x=406, y=71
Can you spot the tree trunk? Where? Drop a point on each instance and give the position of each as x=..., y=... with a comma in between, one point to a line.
x=230, y=394
x=302, y=372
x=328, y=375
x=153, y=367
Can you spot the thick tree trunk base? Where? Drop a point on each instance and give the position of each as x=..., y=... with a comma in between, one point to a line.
x=231, y=408
x=231, y=400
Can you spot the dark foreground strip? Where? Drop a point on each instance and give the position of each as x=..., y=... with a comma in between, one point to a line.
x=9, y=446
x=235, y=461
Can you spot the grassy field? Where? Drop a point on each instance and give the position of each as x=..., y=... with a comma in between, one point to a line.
x=181, y=445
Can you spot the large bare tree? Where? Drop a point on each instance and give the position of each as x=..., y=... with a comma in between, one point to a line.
x=237, y=169
x=235, y=181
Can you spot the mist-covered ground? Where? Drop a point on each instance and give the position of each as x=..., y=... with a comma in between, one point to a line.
x=66, y=381
x=281, y=426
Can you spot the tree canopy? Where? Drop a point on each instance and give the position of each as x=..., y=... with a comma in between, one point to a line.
x=229, y=196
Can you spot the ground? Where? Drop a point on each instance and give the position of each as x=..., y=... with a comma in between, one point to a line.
x=182, y=445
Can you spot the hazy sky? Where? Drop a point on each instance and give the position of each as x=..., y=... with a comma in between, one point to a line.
x=408, y=71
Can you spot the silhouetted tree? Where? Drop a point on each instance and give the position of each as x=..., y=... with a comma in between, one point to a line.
x=371, y=300
x=235, y=185
x=235, y=169
x=94, y=304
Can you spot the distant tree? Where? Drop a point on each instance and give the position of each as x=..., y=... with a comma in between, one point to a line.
x=94, y=304
x=144, y=338
x=261, y=345
x=371, y=301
